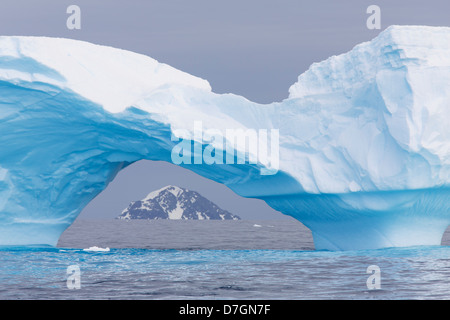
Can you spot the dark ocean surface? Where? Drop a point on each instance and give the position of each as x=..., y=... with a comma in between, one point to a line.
x=215, y=260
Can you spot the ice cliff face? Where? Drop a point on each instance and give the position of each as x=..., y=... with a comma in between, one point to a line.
x=364, y=137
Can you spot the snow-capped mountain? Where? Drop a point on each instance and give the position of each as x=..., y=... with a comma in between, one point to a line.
x=175, y=203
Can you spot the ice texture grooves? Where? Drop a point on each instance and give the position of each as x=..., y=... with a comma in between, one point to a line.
x=364, y=136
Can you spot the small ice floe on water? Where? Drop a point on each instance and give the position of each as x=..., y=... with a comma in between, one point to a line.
x=257, y=225
x=96, y=249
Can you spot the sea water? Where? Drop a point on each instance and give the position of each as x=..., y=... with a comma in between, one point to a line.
x=215, y=260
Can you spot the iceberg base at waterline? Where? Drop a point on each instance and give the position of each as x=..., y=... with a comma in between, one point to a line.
x=371, y=220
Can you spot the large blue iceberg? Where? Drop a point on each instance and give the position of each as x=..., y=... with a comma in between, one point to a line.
x=364, y=137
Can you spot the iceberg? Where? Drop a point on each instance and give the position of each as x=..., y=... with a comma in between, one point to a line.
x=96, y=249
x=364, y=136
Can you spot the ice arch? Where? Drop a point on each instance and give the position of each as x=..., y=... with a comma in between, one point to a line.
x=364, y=136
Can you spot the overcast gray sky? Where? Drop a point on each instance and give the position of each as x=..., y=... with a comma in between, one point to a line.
x=254, y=48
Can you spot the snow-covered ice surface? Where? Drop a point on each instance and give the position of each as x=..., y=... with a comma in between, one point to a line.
x=364, y=136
